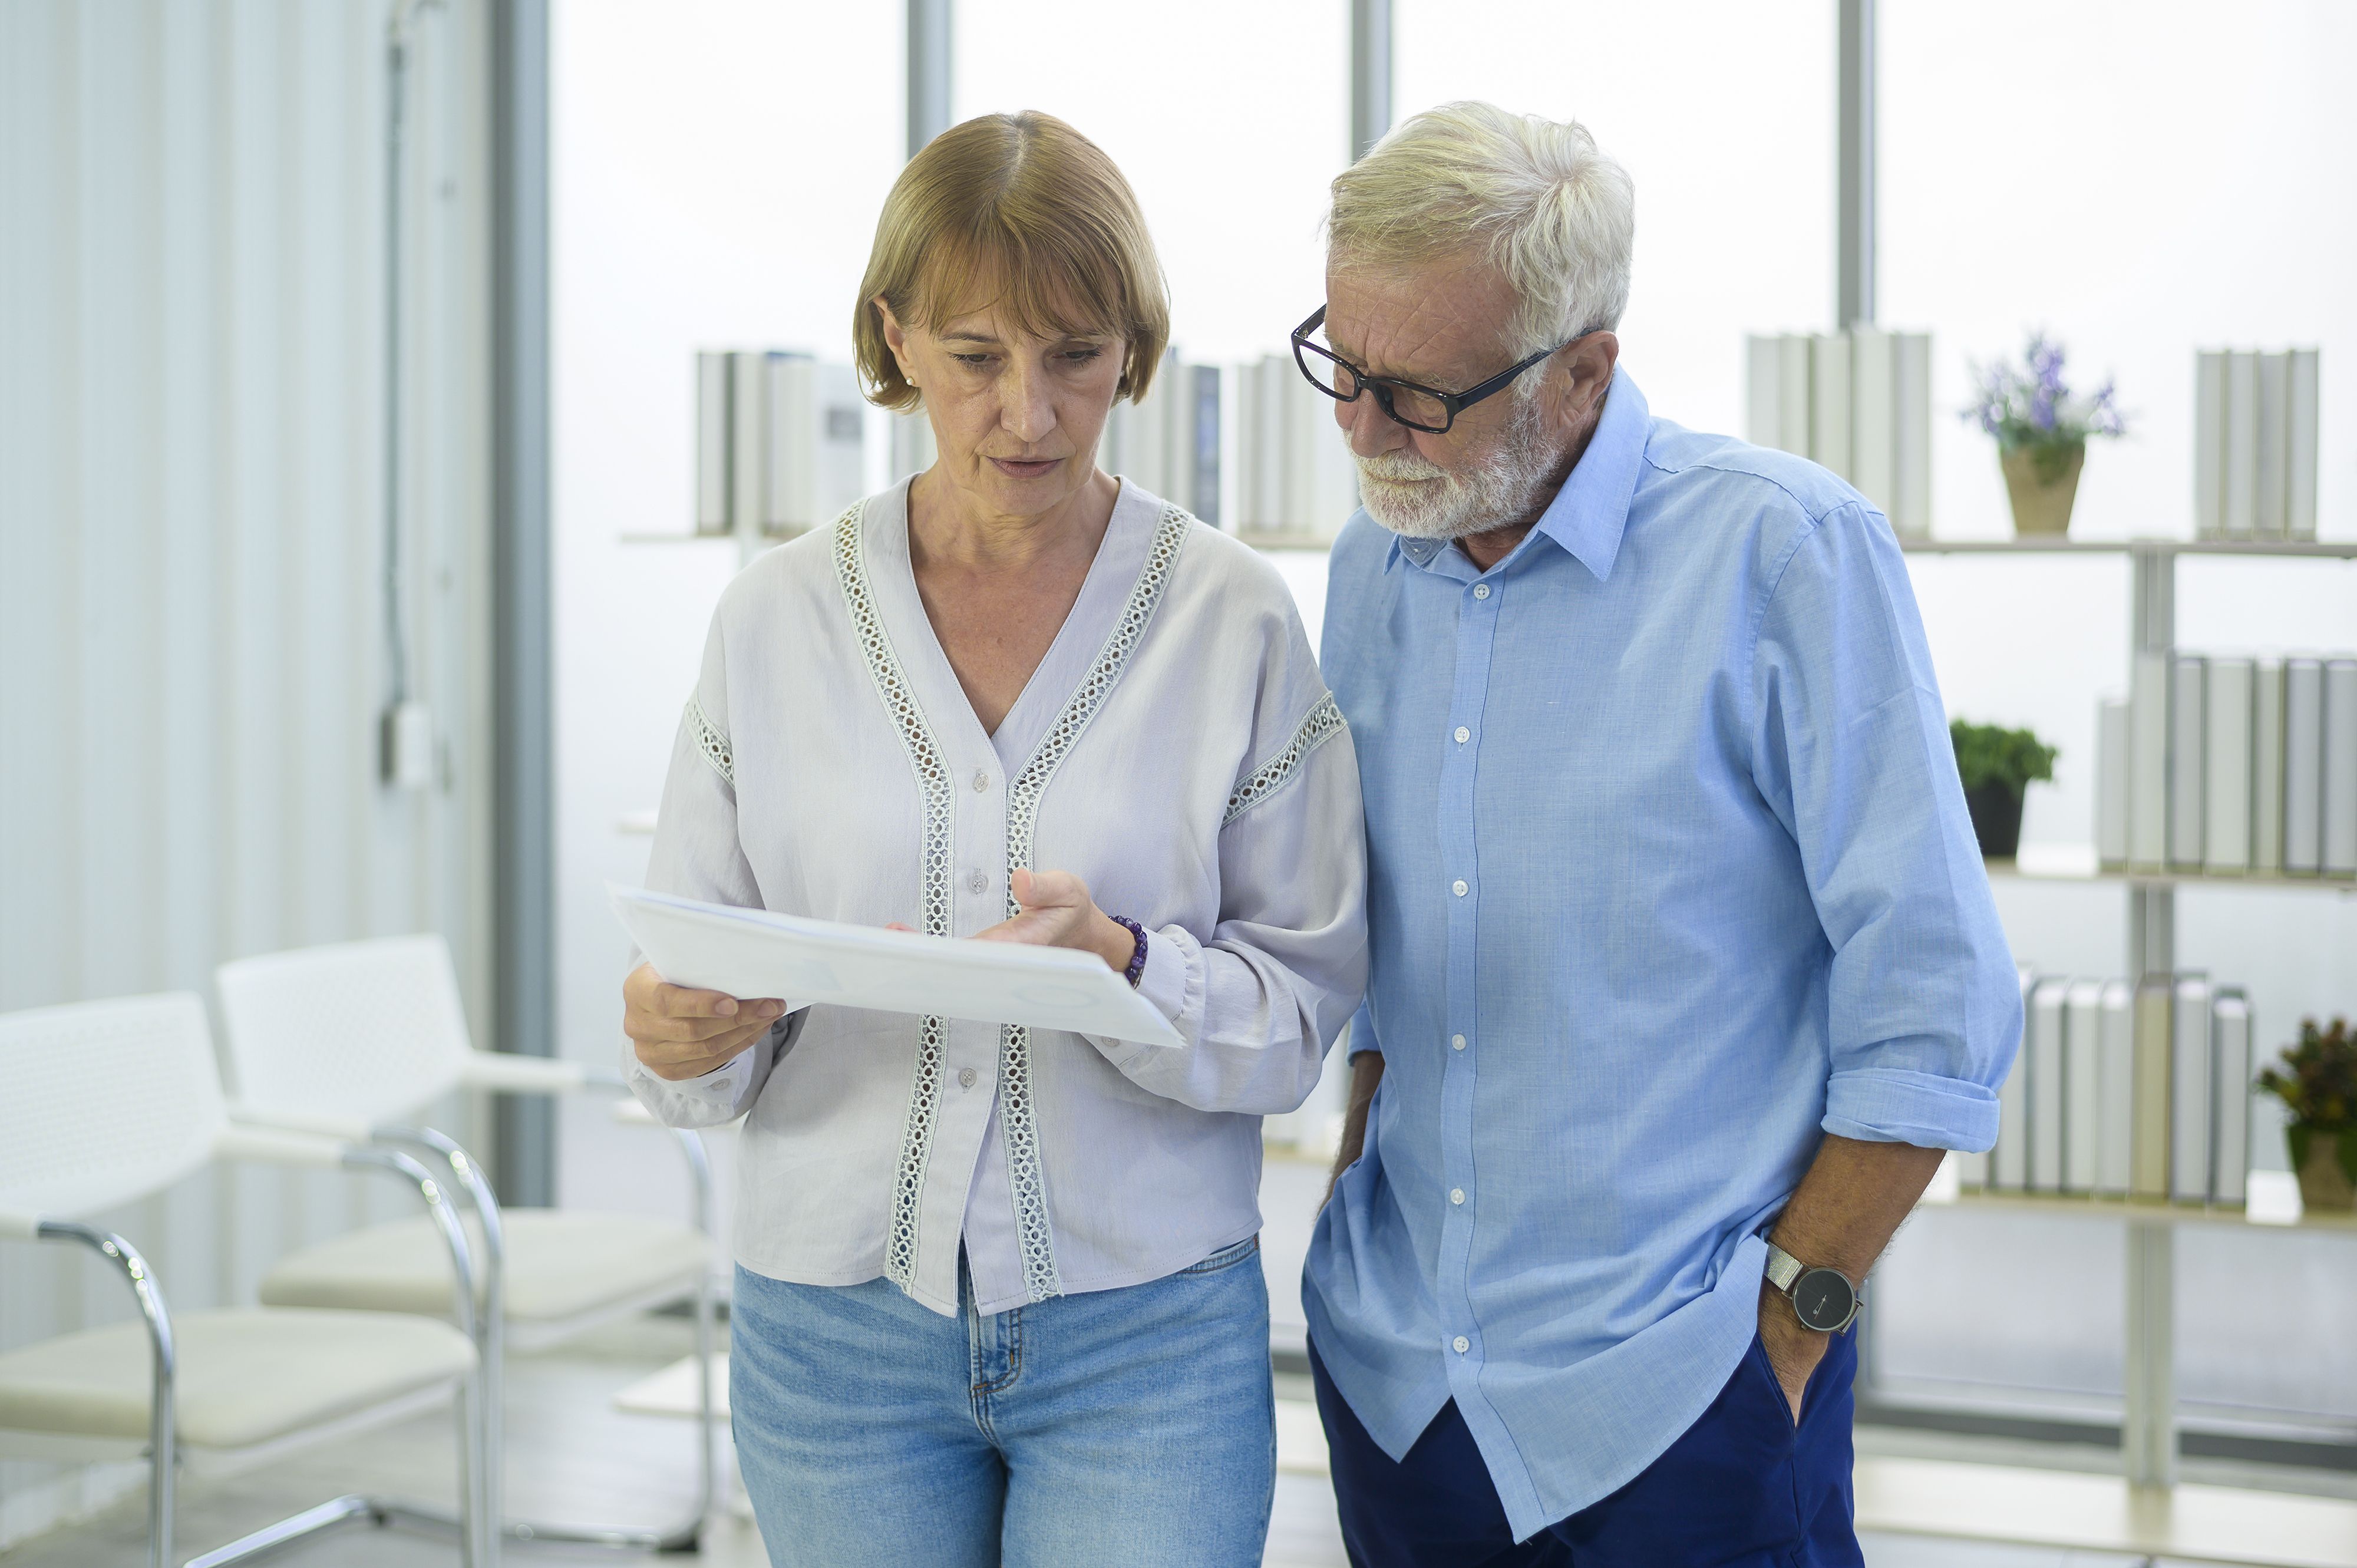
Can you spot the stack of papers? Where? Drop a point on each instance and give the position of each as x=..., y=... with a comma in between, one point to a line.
x=755, y=953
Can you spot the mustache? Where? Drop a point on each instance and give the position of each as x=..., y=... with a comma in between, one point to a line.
x=1399, y=466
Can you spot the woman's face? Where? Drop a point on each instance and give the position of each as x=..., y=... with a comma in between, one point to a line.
x=1016, y=416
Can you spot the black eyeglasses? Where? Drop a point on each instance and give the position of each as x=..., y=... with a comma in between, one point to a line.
x=1427, y=409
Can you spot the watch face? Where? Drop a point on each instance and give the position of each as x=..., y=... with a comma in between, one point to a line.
x=1821, y=1299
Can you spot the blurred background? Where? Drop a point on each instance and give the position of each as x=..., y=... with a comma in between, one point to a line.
x=356, y=557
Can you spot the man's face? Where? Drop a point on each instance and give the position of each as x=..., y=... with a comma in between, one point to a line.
x=1444, y=326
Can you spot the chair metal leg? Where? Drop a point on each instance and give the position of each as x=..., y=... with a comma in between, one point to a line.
x=162, y=1428
x=288, y=1531
x=685, y=1535
x=478, y=1545
x=490, y=1333
x=490, y=1318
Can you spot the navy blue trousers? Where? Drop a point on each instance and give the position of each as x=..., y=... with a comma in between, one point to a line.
x=1740, y=1489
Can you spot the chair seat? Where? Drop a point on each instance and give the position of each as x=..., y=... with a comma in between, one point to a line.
x=560, y=1264
x=244, y=1376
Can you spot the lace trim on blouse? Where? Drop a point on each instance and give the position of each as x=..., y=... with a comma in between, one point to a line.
x=711, y=743
x=933, y=786
x=1015, y=1115
x=1324, y=722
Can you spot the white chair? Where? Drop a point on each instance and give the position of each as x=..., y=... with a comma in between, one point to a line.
x=355, y=1040
x=109, y=1102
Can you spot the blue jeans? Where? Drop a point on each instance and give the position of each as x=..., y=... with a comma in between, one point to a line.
x=1132, y=1427
x=1744, y=1487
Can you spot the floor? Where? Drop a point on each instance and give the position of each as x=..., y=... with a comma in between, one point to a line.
x=574, y=1455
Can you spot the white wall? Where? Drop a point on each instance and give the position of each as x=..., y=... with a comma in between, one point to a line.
x=716, y=176
x=191, y=643
x=2139, y=179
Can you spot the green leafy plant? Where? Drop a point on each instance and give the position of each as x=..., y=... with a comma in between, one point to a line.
x=2318, y=1082
x=1990, y=754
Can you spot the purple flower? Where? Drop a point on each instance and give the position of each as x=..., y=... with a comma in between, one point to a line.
x=2030, y=405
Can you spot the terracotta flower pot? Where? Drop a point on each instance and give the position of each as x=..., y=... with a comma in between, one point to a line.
x=2042, y=482
x=2323, y=1161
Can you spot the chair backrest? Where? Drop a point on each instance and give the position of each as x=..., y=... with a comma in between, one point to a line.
x=372, y=1030
x=101, y=1103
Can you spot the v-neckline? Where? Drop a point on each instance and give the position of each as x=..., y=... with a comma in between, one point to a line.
x=1120, y=556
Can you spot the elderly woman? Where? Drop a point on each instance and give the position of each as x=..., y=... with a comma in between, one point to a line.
x=998, y=1296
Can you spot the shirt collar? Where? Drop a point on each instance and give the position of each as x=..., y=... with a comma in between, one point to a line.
x=1589, y=513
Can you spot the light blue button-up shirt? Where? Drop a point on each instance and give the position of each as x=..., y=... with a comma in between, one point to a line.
x=1669, y=869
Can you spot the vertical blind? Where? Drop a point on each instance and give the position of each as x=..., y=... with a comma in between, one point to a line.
x=193, y=552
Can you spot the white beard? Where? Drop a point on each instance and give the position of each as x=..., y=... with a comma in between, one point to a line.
x=1423, y=500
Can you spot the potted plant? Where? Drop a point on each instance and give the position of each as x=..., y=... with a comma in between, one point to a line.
x=1997, y=765
x=2319, y=1084
x=2041, y=429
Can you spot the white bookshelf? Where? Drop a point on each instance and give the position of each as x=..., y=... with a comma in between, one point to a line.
x=2149, y=1432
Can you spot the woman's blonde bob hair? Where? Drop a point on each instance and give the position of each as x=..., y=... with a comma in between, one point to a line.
x=1022, y=212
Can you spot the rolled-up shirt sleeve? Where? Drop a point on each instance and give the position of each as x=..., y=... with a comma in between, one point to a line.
x=696, y=855
x=1851, y=751
x=1259, y=998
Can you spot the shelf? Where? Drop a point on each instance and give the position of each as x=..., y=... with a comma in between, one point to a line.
x=2057, y=1509
x=2275, y=1214
x=1303, y=539
x=2297, y=549
x=2076, y=863
x=680, y=536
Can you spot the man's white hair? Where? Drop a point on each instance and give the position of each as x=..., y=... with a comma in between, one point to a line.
x=1557, y=216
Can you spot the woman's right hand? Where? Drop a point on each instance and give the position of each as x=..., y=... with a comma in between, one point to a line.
x=679, y=1033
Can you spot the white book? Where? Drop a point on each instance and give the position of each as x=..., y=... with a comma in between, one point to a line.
x=2047, y=1100
x=747, y=444
x=1911, y=424
x=1873, y=447
x=2240, y=487
x=2082, y=1037
x=2008, y=1168
x=2116, y=1088
x=1260, y=434
x=2273, y=437
x=789, y=430
x=2187, y=753
x=2300, y=446
x=2339, y=787
x=2229, y=1160
x=2303, y=841
x=2190, y=1073
x=2148, y=1094
x=2111, y=782
x=711, y=443
x=2268, y=766
x=1763, y=371
x=1204, y=443
x=839, y=477
x=1794, y=397
x=2149, y=762
x=2209, y=441
x=2226, y=769
x=1829, y=410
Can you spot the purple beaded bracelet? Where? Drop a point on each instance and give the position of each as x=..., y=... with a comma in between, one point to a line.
x=1136, y=960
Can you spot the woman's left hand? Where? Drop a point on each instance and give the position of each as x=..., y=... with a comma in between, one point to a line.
x=1058, y=913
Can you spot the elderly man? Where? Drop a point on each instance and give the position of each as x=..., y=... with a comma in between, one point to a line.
x=1684, y=967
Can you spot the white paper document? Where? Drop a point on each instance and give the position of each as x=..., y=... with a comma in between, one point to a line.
x=754, y=952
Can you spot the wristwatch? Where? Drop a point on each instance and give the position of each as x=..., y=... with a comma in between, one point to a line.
x=1824, y=1300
